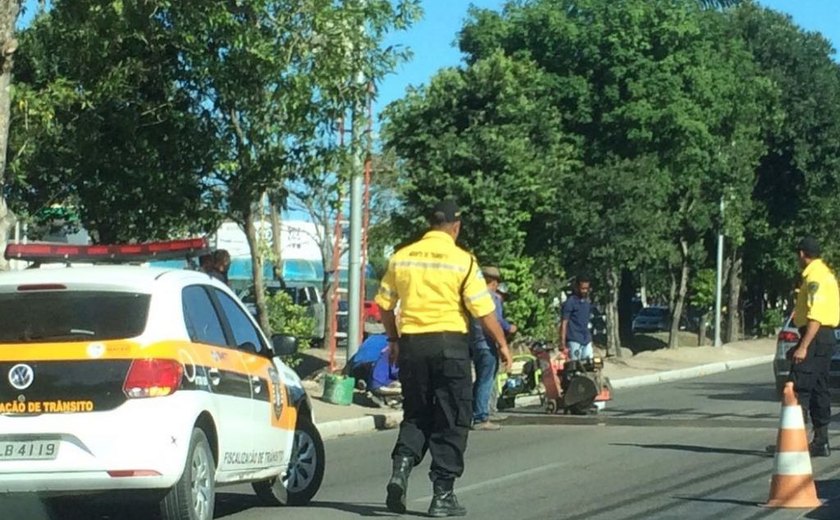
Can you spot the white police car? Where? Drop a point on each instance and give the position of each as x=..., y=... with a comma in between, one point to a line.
x=136, y=378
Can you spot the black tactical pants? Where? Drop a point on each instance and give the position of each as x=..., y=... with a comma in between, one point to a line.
x=437, y=401
x=810, y=378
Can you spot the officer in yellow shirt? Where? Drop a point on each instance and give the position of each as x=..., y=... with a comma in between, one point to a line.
x=817, y=313
x=437, y=284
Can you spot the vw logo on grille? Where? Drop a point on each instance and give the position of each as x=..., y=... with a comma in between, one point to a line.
x=21, y=376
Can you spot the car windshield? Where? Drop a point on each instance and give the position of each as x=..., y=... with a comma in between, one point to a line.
x=655, y=312
x=64, y=316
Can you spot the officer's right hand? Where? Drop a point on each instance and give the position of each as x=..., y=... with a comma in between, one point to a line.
x=507, y=359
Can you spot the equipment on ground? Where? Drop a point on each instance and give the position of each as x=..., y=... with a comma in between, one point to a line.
x=574, y=386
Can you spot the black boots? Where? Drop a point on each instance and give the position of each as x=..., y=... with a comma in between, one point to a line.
x=398, y=485
x=444, y=502
x=819, y=446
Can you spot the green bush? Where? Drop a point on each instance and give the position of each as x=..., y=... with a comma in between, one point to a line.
x=525, y=308
x=285, y=317
x=770, y=322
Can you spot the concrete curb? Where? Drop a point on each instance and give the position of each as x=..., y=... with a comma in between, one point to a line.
x=689, y=373
x=368, y=423
x=390, y=420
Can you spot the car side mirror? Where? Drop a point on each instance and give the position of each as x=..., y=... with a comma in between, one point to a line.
x=284, y=345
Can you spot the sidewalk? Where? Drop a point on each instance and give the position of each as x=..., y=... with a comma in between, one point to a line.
x=646, y=368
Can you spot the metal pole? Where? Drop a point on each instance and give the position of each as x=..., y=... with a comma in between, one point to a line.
x=354, y=300
x=719, y=281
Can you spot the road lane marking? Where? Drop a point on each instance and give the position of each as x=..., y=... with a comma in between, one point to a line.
x=640, y=422
x=500, y=480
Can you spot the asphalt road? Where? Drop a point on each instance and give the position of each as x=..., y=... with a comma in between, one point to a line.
x=690, y=450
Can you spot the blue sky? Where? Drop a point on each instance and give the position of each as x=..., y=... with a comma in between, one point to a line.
x=432, y=40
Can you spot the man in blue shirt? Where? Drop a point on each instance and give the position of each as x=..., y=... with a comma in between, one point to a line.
x=486, y=357
x=574, y=325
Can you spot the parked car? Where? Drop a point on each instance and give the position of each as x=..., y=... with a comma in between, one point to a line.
x=651, y=319
x=788, y=338
x=305, y=295
x=658, y=319
x=156, y=382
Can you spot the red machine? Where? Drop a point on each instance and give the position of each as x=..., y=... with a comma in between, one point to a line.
x=576, y=387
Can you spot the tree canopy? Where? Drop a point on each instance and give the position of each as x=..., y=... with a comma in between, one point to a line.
x=619, y=127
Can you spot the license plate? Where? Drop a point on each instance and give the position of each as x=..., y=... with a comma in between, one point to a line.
x=28, y=450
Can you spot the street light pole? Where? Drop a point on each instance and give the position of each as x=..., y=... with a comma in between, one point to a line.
x=354, y=261
x=354, y=296
x=719, y=276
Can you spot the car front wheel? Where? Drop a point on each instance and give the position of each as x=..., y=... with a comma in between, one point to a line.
x=303, y=478
x=193, y=497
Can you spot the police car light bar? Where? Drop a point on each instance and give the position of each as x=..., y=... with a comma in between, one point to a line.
x=63, y=253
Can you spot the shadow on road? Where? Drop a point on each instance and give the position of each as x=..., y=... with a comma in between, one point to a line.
x=829, y=491
x=676, y=412
x=33, y=507
x=695, y=420
x=733, y=391
x=697, y=449
x=361, y=509
x=229, y=504
x=732, y=501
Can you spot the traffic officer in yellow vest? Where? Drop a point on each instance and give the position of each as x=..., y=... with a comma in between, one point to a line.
x=436, y=284
x=817, y=313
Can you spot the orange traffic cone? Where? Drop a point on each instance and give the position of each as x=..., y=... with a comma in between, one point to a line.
x=793, y=482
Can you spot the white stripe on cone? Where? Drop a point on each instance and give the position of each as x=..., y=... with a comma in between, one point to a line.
x=793, y=463
x=792, y=418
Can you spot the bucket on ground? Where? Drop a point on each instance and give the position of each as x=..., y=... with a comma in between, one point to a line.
x=338, y=389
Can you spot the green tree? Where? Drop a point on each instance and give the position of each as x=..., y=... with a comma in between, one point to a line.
x=658, y=82
x=798, y=180
x=702, y=298
x=102, y=125
x=274, y=76
x=490, y=140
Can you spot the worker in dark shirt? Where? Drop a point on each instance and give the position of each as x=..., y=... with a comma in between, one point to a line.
x=574, y=325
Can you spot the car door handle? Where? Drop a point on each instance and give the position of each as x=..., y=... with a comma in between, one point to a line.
x=256, y=384
x=215, y=376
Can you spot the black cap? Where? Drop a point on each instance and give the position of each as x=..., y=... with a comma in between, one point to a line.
x=809, y=246
x=444, y=212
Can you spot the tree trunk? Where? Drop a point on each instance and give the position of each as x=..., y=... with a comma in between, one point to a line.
x=9, y=11
x=257, y=273
x=701, y=330
x=672, y=296
x=626, y=292
x=613, y=336
x=733, y=321
x=643, y=290
x=276, y=237
x=7, y=222
x=677, y=309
